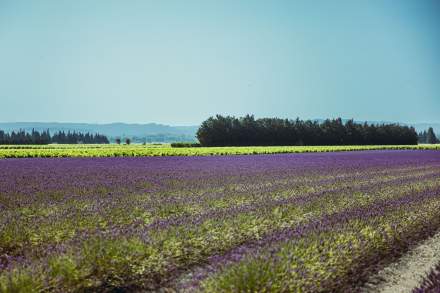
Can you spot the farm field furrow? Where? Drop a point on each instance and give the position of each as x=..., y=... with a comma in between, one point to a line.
x=308, y=222
x=112, y=150
x=431, y=283
x=408, y=272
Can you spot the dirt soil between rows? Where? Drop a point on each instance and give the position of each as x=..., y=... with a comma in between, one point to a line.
x=408, y=271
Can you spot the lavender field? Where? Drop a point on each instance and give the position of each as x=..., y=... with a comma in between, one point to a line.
x=309, y=222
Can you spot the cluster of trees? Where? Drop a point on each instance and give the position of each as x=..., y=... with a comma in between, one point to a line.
x=78, y=137
x=428, y=136
x=185, y=145
x=247, y=131
x=44, y=137
x=23, y=137
x=118, y=141
x=162, y=138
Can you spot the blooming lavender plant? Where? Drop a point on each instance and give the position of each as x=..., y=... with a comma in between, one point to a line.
x=207, y=223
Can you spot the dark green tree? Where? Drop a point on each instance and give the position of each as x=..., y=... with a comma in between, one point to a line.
x=430, y=136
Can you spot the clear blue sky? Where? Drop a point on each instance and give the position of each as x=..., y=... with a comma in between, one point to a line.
x=178, y=62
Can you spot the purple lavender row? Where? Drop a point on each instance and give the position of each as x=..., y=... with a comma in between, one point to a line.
x=194, y=220
x=37, y=174
x=138, y=228
x=153, y=177
x=110, y=202
x=272, y=241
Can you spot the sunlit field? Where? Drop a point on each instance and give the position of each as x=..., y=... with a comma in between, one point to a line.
x=137, y=150
x=306, y=222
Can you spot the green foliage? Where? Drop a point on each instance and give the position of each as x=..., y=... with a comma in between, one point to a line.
x=248, y=131
x=114, y=150
x=317, y=262
x=36, y=138
x=20, y=281
x=255, y=276
x=428, y=137
x=185, y=145
x=66, y=272
x=431, y=138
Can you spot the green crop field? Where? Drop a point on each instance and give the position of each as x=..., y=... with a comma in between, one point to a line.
x=112, y=150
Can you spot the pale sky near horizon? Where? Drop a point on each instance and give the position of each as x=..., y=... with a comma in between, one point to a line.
x=179, y=62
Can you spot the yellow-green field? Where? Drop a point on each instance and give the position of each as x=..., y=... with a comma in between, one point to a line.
x=112, y=150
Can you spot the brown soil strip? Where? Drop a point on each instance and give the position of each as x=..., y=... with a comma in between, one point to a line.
x=407, y=272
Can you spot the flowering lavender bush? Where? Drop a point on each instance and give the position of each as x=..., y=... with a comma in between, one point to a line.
x=286, y=222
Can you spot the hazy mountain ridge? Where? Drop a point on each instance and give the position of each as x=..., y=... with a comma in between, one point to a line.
x=150, y=132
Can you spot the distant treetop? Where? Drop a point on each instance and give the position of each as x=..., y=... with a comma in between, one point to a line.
x=35, y=137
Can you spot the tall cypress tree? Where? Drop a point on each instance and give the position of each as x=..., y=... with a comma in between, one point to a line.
x=431, y=138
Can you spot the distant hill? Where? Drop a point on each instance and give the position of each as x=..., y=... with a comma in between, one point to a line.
x=150, y=132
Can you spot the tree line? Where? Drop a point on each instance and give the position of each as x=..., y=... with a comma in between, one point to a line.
x=428, y=136
x=44, y=137
x=248, y=131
